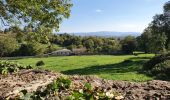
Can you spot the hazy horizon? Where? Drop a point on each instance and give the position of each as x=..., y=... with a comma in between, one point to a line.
x=98, y=32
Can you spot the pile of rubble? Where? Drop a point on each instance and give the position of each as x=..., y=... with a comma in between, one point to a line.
x=30, y=80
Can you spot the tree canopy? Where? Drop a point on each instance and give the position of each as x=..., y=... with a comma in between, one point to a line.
x=40, y=15
x=156, y=37
x=8, y=45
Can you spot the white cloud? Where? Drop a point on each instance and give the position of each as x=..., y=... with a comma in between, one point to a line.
x=98, y=10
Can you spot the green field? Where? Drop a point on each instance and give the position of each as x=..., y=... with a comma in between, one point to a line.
x=105, y=66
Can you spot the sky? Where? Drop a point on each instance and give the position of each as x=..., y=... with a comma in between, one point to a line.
x=111, y=15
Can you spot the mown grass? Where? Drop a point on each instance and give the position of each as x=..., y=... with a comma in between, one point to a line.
x=105, y=66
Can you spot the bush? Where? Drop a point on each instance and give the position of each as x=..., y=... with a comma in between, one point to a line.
x=156, y=60
x=61, y=89
x=40, y=63
x=51, y=90
x=60, y=84
x=9, y=67
x=162, y=69
x=159, y=66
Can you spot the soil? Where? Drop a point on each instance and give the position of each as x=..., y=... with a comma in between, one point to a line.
x=30, y=80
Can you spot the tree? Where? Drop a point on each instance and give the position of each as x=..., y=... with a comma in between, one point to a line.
x=156, y=37
x=89, y=44
x=167, y=6
x=129, y=44
x=17, y=33
x=161, y=25
x=31, y=49
x=41, y=15
x=7, y=45
x=144, y=41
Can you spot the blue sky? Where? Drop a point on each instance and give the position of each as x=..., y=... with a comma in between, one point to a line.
x=111, y=15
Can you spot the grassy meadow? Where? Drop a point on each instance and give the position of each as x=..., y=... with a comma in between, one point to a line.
x=124, y=67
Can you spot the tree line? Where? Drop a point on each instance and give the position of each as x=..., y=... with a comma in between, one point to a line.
x=20, y=42
x=35, y=37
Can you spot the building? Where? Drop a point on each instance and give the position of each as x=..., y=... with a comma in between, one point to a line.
x=63, y=52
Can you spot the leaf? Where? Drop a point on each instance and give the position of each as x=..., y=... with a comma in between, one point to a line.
x=88, y=86
x=5, y=71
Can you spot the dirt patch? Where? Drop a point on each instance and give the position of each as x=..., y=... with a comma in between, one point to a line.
x=152, y=90
x=30, y=80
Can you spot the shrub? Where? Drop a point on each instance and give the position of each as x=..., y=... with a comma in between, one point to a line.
x=9, y=67
x=40, y=63
x=63, y=83
x=51, y=90
x=155, y=60
x=159, y=66
x=62, y=90
x=162, y=68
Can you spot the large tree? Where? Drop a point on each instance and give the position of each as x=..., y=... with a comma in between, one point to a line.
x=40, y=15
x=156, y=37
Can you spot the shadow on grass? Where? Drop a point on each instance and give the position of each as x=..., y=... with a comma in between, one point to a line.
x=140, y=58
x=16, y=58
x=123, y=67
x=21, y=57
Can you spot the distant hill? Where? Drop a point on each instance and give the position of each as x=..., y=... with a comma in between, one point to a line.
x=106, y=34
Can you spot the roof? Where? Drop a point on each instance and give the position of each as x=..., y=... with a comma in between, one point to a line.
x=63, y=50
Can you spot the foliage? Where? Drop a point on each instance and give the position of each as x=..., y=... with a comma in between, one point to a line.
x=8, y=45
x=9, y=67
x=157, y=33
x=162, y=68
x=129, y=44
x=62, y=86
x=31, y=49
x=155, y=60
x=144, y=41
x=93, y=45
x=26, y=95
x=42, y=16
x=159, y=66
x=40, y=63
x=51, y=90
x=59, y=84
x=33, y=43
x=52, y=47
x=97, y=93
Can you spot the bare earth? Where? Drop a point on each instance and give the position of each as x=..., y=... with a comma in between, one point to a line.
x=30, y=80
